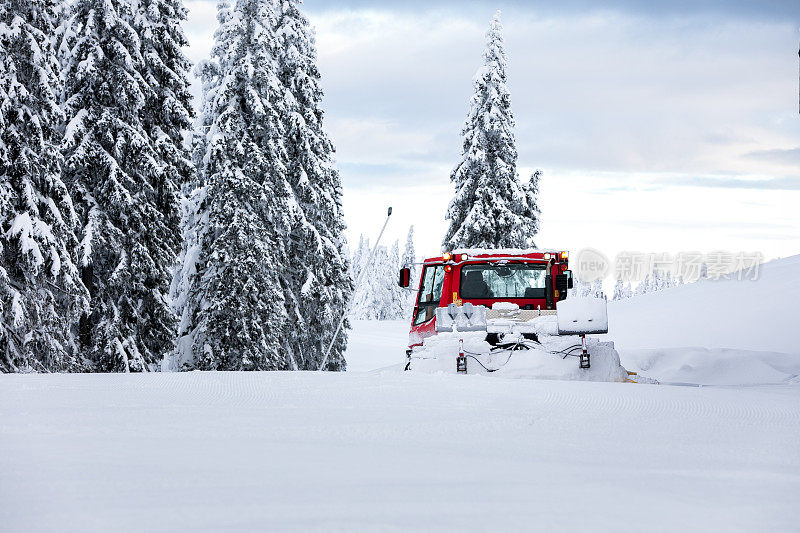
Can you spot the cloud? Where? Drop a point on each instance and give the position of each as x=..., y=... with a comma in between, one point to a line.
x=765, y=184
x=790, y=156
x=752, y=9
x=594, y=92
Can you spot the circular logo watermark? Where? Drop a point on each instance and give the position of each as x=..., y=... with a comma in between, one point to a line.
x=591, y=265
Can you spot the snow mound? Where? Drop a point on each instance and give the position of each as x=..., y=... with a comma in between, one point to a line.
x=757, y=315
x=549, y=359
x=715, y=366
x=725, y=332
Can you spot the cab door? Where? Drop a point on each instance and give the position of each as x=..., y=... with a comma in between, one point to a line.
x=428, y=299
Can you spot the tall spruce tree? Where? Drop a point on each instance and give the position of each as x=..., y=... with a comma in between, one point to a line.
x=491, y=208
x=41, y=295
x=234, y=310
x=123, y=159
x=317, y=280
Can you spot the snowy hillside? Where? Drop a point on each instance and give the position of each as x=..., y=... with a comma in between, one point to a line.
x=715, y=332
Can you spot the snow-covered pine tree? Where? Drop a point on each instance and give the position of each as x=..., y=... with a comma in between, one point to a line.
x=409, y=261
x=491, y=208
x=234, y=313
x=409, y=254
x=597, y=288
x=619, y=290
x=122, y=160
x=378, y=297
x=41, y=295
x=644, y=286
x=669, y=280
x=168, y=111
x=318, y=283
x=194, y=219
x=357, y=265
x=628, y=291
x=398, y=297
x=580, y=289
x=359, y=257
x=659, y=282
x=585, y=288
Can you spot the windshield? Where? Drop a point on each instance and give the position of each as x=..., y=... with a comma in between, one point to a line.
x=517, y=280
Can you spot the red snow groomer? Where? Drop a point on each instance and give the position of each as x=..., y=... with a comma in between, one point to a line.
x=534, y=280
x=487, y=305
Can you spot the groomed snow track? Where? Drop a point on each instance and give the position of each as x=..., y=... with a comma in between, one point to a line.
x=392, y=451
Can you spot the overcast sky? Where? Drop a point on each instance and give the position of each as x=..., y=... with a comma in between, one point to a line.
x=659, y=126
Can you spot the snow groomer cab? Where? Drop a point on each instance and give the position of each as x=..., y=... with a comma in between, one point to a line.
x=532, y=279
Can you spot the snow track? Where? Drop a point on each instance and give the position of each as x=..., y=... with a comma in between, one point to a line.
x=392, y=451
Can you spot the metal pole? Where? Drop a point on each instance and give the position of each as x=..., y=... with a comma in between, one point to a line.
x=358, y=284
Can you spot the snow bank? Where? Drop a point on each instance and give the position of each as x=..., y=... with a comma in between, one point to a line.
x=715, y=332
x=717, y=366
x=761, y=315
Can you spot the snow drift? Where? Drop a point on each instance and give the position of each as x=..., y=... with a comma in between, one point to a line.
x=715, y=332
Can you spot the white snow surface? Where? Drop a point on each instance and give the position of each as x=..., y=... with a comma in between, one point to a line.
x=720, y=332
x=392, y=451
x=505, y=306
x=379, y=449
x=377, y=344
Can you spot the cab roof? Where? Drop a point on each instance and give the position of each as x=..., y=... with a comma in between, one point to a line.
x=500, y=253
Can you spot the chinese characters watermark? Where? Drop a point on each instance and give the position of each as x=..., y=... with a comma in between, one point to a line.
x=591, y=265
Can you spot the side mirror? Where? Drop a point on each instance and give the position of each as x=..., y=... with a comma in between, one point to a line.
x=569, y=278
x=562, y=282
x=405, y=277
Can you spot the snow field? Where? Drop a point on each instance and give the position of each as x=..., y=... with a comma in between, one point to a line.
x=373, y=344
x=386, y=450
x=392, y=451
